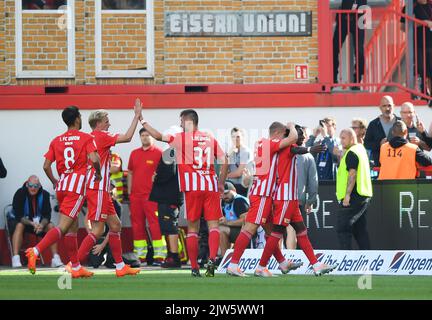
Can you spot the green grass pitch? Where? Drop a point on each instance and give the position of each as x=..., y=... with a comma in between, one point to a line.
x=165, y=284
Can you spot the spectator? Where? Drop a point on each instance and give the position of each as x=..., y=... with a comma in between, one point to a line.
x=357, y=34
x=141, y=168
x=166, y=193
x=32, y=214
x=307, y=186
x=359, y=126
x=235, y=208
x=326, y=161
x=399, y=157
x=424, y=134
x=239, y=157
x=3, y=171
x=116, y=177
x=378, y=131
x=354, y=191
x=414, y=136
x=423, y=11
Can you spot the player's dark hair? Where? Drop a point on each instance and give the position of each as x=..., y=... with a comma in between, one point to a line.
x=398, y=128
x=142, y=130
x=298, y=128
x=191, y=115
x=70, y=114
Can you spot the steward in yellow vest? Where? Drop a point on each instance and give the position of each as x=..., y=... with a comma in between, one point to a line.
x=353, y=190
x=399, y=158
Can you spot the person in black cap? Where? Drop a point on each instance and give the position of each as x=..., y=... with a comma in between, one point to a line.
x=234, y=208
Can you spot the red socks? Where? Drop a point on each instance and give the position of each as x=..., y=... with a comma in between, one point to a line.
x=50, y=238
x=240, y=245
x=115, y=246
x=272, y=244
x=304, y=243
x=192, y=249
x=213, y=242
x=278, y=252
x=71, y=244
x=87, y=244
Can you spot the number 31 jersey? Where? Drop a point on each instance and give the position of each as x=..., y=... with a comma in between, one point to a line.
x=70, y=151
x=196, y=153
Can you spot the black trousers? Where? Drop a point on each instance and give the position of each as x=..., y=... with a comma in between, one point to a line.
x=346, y=231
x=358, y=53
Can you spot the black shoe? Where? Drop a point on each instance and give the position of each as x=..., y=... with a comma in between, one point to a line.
x=154, y=263
x=430, y=104
x=196, y=273
x=170, y=262
x=210, y=269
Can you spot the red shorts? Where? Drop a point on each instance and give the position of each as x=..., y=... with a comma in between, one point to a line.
x=99, y=205
x=198, y=203
x=286, y=211
x=70, y=203
x=260, y=209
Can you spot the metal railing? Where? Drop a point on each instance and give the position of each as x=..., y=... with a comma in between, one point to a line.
x=389, y=60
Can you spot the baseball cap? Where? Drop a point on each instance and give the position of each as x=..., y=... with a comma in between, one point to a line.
x=228, y=187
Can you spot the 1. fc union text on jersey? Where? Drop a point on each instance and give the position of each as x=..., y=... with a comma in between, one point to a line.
x=234, y=23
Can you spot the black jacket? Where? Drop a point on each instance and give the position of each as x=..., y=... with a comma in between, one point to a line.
x=426, y=139
x=23, y=205
x=166, y=188
x=3, y=171
x=421, y=158
x=374, y=134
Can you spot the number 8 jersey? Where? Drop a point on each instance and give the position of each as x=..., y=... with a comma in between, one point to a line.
x=70, y=151
x=196, y=152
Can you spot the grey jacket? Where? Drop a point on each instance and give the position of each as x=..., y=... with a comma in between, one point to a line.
x=307, y=179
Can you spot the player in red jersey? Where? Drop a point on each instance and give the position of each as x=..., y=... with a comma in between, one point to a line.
x=287, y=211
x=71, y=151
x=196, y=153
x=260, y=195
x=99, y=202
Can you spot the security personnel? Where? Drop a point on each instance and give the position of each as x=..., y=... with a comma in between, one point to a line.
x=399, y=158
x=116, y=177
x=166, y=193
x=353, y=191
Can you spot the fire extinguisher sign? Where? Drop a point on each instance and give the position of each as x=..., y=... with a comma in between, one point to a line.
x=301, y=72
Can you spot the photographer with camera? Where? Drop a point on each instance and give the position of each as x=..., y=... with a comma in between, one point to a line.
x=327, y=160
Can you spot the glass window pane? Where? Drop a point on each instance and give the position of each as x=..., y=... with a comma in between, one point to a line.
x=123, y=4
x=42, y=4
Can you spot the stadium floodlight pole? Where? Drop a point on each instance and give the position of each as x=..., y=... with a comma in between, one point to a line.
x=410, y=75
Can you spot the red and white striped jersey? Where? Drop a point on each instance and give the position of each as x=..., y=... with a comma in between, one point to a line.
x=266, y=157
x=70, y=152
x=287, y=187
x=196, y=153
x=104, y=141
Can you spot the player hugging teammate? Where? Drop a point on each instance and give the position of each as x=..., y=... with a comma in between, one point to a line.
x=273, y=195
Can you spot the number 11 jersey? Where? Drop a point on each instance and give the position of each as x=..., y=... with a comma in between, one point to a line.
x=196, y=153
x=70, y=151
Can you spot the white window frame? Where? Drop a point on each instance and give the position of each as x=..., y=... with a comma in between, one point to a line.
x=70, y=72
x=149, y=72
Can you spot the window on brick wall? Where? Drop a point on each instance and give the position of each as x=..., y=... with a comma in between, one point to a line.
x=45, y=34
x=124, y=39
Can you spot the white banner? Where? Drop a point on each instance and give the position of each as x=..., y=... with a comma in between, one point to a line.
x=375, y=262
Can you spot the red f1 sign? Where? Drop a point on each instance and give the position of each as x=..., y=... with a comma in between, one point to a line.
x=302, y=72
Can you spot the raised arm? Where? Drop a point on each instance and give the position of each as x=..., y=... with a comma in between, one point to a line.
x=127, y=137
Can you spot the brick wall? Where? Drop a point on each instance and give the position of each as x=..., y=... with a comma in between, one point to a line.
x=231, y=60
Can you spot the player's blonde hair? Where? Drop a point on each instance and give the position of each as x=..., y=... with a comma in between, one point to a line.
x=96, y=116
